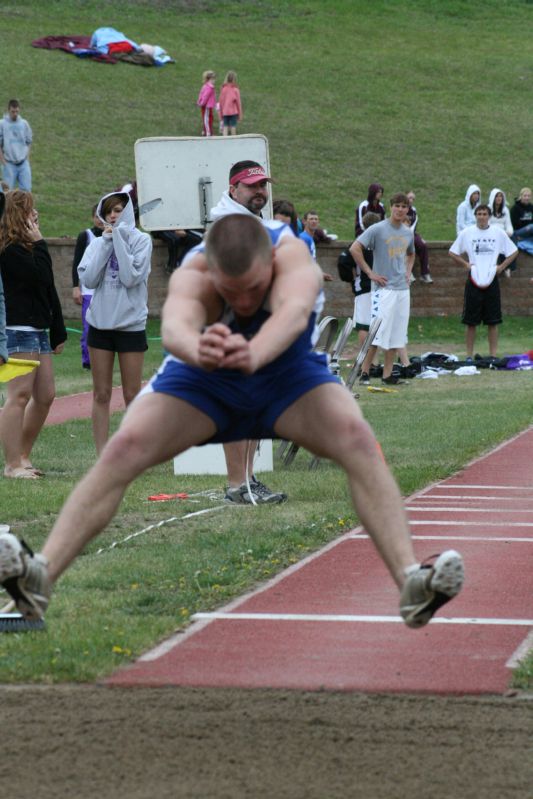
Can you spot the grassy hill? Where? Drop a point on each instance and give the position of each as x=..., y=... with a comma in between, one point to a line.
x=425, y=94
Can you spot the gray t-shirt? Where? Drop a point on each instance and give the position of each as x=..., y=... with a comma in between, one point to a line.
x=390, y=245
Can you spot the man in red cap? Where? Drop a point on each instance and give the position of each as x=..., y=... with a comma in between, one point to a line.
x=247, y=194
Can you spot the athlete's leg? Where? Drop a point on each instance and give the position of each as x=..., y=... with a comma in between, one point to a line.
x=328, y=422
x=155, y=428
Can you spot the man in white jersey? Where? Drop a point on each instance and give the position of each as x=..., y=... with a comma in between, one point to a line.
x=482, y=244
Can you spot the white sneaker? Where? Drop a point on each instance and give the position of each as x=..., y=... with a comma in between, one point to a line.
x=24, y=576
x=430, y=587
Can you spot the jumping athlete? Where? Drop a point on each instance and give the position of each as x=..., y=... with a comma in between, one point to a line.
x=238, y=324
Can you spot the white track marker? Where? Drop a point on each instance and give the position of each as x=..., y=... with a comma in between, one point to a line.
x=438, y=523
x=485, y=498
x=450, y=509
x=483, y=539
x=445, y=486
x=521, y=652
x=351, y=619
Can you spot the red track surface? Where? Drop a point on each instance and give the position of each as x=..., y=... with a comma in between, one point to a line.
x=78, y=406
x=330, y=622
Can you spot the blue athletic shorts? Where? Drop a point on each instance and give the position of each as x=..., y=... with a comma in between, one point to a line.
x=242, y=406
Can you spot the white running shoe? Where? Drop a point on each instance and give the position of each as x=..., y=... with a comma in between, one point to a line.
x=24, y=576
x=430, y=587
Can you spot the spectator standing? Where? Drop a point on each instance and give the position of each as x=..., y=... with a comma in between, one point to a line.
x=466, y=210
x=230, y=105
x=3, y=334
x=482, y=244
x=207, y=101
x=34, y=327
x=522, y=216
x=15, y=144
x=392, y=243
x=362, y=286
x=421, y=248
x=311, y=222
x=116, y=266
x=80, y=293
x=500, y=216
x=372, y=203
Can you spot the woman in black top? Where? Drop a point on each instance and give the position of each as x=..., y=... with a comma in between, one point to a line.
x=35, y=329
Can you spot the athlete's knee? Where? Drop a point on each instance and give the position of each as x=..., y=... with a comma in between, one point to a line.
x=124, y=450
x=356, y=438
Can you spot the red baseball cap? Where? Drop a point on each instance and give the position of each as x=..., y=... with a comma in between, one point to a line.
x=250, y=175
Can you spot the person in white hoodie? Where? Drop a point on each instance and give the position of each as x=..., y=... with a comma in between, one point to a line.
x=501, y=217
x=466, y=209
x=116, y=266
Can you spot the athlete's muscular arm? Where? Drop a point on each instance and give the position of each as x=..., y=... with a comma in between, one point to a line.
x=190, y=302
x=297, y=281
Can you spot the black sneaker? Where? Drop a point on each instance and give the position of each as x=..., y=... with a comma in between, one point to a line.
x=364, y=380
x=393, y=380
x=262, y=495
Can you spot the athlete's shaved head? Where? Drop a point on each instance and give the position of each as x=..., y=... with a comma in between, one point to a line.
x=234, y=242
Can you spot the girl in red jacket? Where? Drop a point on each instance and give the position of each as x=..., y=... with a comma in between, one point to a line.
x=230, y=104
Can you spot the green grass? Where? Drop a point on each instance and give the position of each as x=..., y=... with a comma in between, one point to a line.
x=424, y=94
x=111, y=606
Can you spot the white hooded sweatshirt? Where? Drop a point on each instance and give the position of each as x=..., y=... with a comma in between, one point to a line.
x=465, y=212
x=117, y=266
x=503, y=221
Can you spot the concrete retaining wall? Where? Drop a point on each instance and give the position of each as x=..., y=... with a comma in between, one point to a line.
x=444, y=297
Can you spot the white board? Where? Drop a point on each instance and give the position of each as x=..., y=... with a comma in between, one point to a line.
x=210, y=459
x=179, y=179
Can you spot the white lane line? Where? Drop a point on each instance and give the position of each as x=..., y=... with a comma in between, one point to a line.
x=455, y=509
x=349, y=618
x=485, y=498
x=439, y=523
x=521, y=652
x=445, y=486
x=484, y=539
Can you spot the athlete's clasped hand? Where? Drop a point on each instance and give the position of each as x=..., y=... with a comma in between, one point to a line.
x=219, y=348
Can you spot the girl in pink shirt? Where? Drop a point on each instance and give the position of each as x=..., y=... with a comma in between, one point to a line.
x=230, y=104
x=207, y=101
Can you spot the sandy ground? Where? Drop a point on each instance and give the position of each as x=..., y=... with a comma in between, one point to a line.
x=90, y=741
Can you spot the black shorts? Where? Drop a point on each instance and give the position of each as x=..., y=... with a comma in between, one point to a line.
x=117, y=340
x=482, y=305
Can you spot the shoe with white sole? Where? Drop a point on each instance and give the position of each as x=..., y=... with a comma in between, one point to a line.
x=430, y=587
x=24, y=576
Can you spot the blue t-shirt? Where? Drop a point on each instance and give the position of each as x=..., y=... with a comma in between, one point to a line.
x=308, y=239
